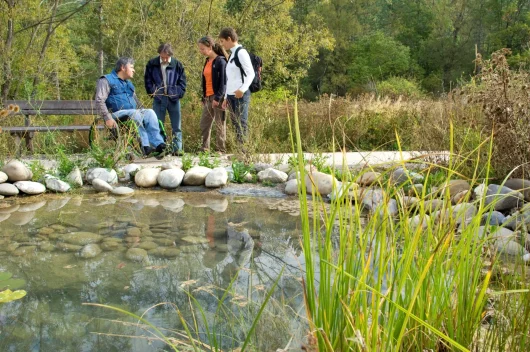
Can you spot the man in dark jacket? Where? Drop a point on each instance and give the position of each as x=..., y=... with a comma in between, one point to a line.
x=165, y=81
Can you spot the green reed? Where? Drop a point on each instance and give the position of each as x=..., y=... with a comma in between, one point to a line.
x=386, y=283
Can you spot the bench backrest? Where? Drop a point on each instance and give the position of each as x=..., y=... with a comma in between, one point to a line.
x=54, y=107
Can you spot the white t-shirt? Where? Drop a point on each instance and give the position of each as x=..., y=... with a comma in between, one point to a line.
x=233, y=73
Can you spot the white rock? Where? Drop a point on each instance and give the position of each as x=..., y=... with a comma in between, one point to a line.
x=196, y=176
x=56, y=185
x=218, y=177
x=3, y=177
x=291, y=187
x=17, y=171
x=147, y=177
x=7, y=189
x=122, y=191
x=75, y=177
x=526, y=258
x=101, y=186
x=295, y=175
x=367, y=178
x=129, y=170
x=30, y=187
x=170, y=178
x=262, y=166
x=108, y=175
x=323, y=182
x=170, y=165
x=272, y=175
x=510, y=247
x=284, y=168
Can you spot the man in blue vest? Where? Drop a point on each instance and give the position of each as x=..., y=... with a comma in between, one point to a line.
x=116, y=98
x=165, y=82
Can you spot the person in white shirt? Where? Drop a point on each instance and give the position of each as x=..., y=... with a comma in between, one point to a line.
x=238, y=80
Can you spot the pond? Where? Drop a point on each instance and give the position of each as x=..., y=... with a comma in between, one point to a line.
x=134, y=253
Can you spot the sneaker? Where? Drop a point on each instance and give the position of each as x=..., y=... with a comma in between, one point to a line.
x=161, y=151
x=147, y=151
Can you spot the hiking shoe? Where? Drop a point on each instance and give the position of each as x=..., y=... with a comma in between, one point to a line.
x=147, y=151
x=161, y=151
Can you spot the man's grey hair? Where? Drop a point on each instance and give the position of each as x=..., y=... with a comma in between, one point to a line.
x=122, y=61
x=166, y=49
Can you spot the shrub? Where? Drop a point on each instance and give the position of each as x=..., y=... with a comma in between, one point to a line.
x=396, y=87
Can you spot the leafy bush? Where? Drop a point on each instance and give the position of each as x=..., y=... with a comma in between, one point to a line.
x=64, y=164
x=240, y=170
x=395, y=87
x=38, y=170
x=207, y=160
x=187, y=161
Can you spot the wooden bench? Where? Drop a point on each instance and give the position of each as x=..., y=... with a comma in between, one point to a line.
x=43, y=108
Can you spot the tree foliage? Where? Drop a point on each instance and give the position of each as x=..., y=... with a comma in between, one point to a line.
x=56, y=49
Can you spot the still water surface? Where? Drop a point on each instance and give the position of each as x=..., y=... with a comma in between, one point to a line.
x=198, y=243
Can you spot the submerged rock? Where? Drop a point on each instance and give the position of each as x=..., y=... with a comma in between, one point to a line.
x=136, y=254
x=90, y=251
x=80, y=238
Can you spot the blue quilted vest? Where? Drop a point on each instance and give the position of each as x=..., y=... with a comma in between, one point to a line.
x=121, y=95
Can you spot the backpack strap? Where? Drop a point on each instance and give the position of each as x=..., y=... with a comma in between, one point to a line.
x=236, y=61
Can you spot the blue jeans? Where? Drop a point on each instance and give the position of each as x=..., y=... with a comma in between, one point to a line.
x=161, y=104
x=239, y=114
x=147, y=125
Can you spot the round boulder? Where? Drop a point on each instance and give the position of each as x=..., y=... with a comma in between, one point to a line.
x=101, y=186
x=56, y=185
x=17, y=171
x=196, y=176
x=272, y=175
x=218, y=177
x=7, y=189
x=3, y=177
x=170, y=178
x=146, y=177
x=30, y=187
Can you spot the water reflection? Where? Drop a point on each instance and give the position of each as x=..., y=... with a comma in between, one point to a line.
x=195, y=243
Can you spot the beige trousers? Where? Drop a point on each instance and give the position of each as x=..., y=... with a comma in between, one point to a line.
x=209, y=116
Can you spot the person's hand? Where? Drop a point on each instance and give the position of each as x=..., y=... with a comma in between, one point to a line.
x=110, y=123
x=215, y=103
x=223, y=105
x=239, y=94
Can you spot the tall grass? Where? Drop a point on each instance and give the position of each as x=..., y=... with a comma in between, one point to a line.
x=414, y=281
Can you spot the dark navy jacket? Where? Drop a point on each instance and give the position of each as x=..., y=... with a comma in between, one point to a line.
x=218, y=78
x=176, y=79
x=121, y=95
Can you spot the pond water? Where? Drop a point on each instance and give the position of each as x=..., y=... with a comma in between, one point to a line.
x=182, y=243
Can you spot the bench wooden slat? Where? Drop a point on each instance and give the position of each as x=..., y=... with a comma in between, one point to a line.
x=39, y=105
x=14, y=130
x=44, y=112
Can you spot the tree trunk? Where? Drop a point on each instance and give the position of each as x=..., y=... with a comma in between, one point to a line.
x=42, y=55
x=100, y=55
x=6, y=86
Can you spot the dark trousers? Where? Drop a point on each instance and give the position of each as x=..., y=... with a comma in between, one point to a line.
x=239, y=114
x=161, y=104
